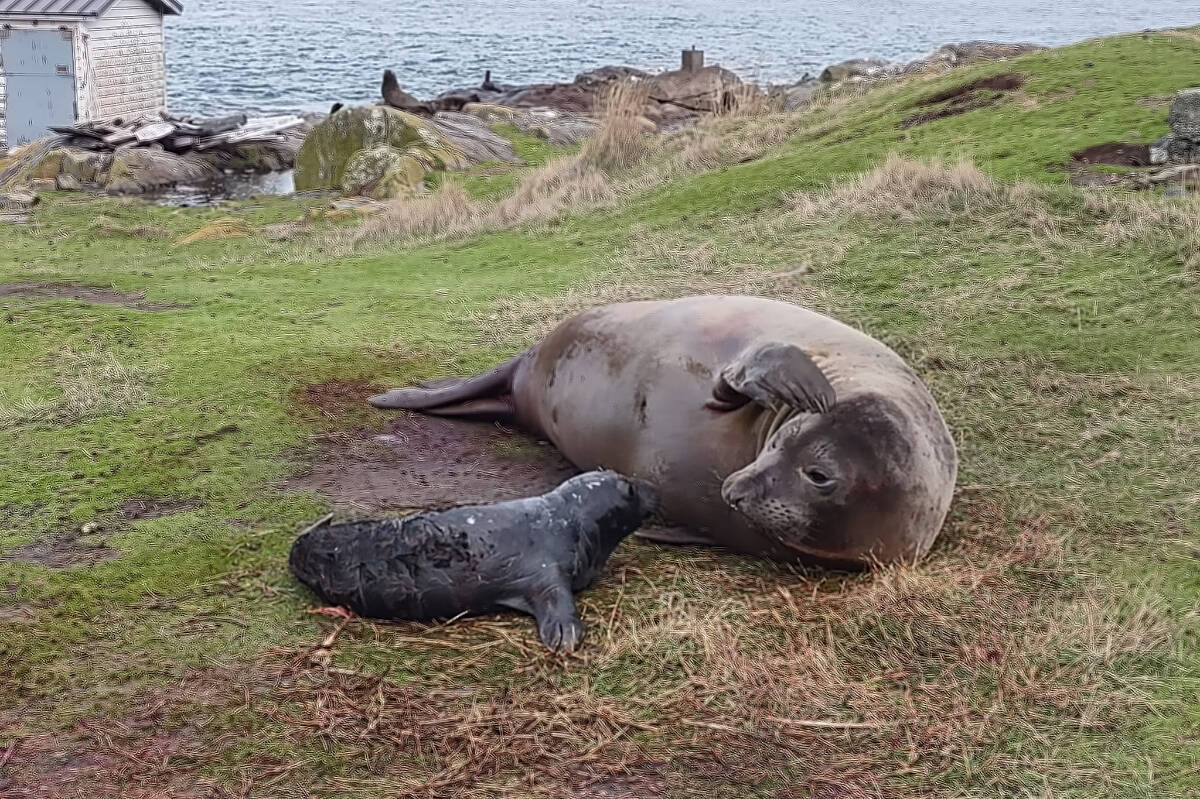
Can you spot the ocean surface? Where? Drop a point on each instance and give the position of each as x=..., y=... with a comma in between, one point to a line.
x=301, y=55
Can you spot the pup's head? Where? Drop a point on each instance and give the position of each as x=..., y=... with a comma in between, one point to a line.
x=616, y=503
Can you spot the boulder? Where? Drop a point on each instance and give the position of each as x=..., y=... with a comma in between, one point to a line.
x=949, y=56
x=795, y=97
x=563, y=96
x=65, y=182
x=1184, y=117
x=50, y=166
x=474, y=139
x=858, y=69
x=604, y=76
x=489, y=112
x=329, y=147
x=137, y=170
x=560, y=128
x=81, y=164
x=383, y=172
x=703, y=90
x=18, y=201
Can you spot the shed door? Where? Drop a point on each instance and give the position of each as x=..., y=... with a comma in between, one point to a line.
x=39, y=67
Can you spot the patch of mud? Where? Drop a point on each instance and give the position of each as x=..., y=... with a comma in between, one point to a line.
x=424, y=462
x=139, y=509
x=18, y=614
x=135, y=300
x=982, y=93
x=1084, y=176
x=1008, y=82
x=1115, y=154
x=338, y=403
x=60, y=552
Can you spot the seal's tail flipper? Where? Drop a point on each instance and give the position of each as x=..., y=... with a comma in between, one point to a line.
x=439, y=396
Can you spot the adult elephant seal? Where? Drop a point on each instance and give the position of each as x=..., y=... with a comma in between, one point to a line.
x=768, y=428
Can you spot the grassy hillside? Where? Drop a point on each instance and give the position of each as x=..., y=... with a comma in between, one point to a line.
x=151, y=643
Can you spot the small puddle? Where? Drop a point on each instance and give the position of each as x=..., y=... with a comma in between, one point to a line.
x=231, y=187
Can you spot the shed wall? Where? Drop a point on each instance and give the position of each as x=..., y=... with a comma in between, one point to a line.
x=120, y=62
x=128, y=72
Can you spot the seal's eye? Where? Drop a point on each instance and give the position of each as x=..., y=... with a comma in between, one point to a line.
x=820, y=478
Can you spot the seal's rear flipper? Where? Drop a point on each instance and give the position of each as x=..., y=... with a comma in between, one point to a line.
x=441, y=394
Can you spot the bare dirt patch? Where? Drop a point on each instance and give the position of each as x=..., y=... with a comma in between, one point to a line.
x=422, y=461
x=91, y=294
x=1009, y=81
x=60, y=552
x=1115, y=154
x=972, y=96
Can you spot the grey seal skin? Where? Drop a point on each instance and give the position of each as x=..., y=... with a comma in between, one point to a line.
x=529, y=555
x=768, y=428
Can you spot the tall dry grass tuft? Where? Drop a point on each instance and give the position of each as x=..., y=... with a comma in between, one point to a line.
x=624, y=138
x=445, y=213
x=908, y=190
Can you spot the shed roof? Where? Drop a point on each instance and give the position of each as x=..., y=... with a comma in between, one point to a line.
x=75, y=8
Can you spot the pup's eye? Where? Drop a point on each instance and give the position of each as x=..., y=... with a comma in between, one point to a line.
x=819, y=477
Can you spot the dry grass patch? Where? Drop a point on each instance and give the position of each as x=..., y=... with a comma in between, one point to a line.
x=92, y=383
x=738, y=679
x=108, y=226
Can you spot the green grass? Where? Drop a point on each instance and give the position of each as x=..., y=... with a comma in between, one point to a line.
x=1048, y=647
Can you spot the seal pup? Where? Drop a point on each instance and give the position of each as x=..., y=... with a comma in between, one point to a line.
x=529, y=555
x=768, y=428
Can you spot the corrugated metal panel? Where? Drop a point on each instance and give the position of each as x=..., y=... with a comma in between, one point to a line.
x=75, y=8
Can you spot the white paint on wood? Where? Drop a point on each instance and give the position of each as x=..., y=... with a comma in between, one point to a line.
x=128, y=73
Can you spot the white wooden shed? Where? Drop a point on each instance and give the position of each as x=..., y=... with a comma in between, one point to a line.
x=65, y=61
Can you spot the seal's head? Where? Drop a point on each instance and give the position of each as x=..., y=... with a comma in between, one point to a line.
x=616, y=503
x=853, y=486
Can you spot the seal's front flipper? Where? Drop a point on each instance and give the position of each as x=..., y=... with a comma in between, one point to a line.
x=447, y=392
x=770, y=374
x=558, y=623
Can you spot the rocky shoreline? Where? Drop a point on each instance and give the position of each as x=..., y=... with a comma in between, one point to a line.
x=385, y=150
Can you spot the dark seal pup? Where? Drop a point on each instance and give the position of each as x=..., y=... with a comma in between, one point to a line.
x=768, y=428
x=529, y=555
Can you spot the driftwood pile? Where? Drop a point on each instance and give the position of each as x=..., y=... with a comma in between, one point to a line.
x=176, y=134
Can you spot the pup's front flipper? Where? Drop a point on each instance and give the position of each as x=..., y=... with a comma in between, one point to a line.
x=559, y=625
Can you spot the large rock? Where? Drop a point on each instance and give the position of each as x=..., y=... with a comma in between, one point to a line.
x=1184, y=117
x=383, y=172
x=858, y=69
x=329, y=147
x=573, y=97
x=137, y=170
x=560, y=128
x=606, y=76
x=83, y=165
x=474, y=139
x=949, y=56
x=700, y=90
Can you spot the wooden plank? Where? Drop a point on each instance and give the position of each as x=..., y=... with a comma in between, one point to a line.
x=120, y=136
x=153, y=132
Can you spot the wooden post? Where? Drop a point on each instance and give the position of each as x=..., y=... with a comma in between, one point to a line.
x=693, y=60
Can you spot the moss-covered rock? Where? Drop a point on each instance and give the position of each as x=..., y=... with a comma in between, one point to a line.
x=330, y=146
x=382, y=173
